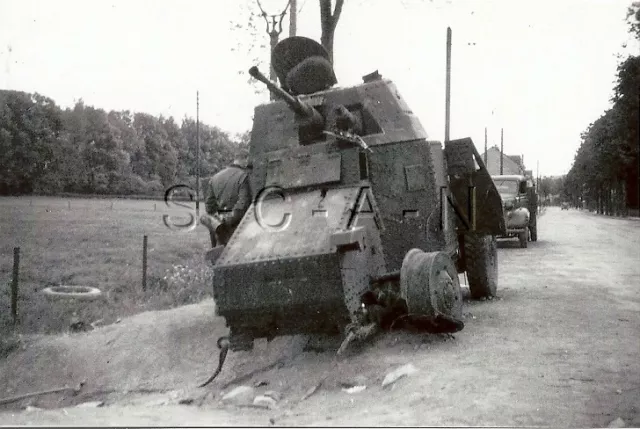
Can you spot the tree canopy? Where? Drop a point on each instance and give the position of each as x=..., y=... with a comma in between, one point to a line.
x=605, y=169
x=46, y=149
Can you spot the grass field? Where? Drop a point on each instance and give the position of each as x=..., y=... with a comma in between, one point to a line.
x=96, y=242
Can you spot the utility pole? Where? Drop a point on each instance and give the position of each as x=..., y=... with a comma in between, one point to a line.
x=293, y=18
x=501, y=149
x=274, y=28
x=198, y=154
x=485, y=148
x=447, y=108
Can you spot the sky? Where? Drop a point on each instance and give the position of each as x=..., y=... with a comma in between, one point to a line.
x=542, y=71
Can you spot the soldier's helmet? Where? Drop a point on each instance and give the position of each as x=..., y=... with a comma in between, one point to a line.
x=242, y=160
x=302, y=66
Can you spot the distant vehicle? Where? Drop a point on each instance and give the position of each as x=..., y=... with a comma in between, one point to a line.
x=520, y=206
x=564, y=206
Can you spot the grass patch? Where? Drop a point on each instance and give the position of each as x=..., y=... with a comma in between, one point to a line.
x=9, y=343
x=86, y=242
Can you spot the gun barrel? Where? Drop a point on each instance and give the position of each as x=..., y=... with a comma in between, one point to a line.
x=296, y=105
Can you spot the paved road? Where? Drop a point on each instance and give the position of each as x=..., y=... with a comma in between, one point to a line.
x=559, y=347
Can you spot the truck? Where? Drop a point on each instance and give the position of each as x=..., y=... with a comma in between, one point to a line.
x=520, y=207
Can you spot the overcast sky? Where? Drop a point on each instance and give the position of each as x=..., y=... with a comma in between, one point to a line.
x=542, y=70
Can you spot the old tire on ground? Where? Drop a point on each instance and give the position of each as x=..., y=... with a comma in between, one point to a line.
x=524, y=238
x=85, y=293
x=429, y=284
x=481, y=260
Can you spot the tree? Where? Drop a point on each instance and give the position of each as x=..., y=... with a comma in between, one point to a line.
x=329, y=17
x=328, y=22
x=605, y=170
x=83, y=149
x=274, y=28
x=293, y=18
x=633, y=18
x=30, y=124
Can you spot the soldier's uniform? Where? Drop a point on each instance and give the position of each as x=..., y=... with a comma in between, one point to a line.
x=229, y=197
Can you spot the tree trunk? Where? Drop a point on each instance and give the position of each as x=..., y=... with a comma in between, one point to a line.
x=273, y=36
x=600, y=200
x=623, y=199
x=328, y=22
x=273, y=39
x=293, y=18
x=327, y=42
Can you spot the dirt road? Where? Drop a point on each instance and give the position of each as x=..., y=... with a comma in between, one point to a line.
x=558, y=347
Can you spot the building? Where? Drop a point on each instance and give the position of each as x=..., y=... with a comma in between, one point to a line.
x=511, y=164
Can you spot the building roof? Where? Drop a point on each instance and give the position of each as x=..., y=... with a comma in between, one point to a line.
x=510, y=164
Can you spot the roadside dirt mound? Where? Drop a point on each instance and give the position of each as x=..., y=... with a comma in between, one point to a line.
x=170, y=352
x=153, y=351
x=157, y=351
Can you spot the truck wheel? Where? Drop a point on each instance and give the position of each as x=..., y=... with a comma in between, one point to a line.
x=481, y=260
x=524, y=237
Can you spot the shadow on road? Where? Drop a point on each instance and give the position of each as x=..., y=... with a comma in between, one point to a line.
x=515, y=244
x=508, y=244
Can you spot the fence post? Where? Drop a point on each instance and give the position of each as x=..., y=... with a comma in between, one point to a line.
x=14, y=284
x=144, y=263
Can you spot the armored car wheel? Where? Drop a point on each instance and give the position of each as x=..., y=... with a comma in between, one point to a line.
x=429, y=284
x=481, y=261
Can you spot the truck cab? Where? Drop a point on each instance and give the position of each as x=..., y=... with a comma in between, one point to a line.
x=519, y=204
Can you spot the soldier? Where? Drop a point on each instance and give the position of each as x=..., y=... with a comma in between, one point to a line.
x=228, y=198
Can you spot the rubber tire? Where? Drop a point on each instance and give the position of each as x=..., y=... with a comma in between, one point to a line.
x=523, y=237
x=84, y=293
x=481, y=261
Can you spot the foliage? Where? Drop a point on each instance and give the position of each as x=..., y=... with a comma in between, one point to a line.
x=258, y=50
x=47, y=150
x=605, y=169
x=550, y=186
x=633, y=18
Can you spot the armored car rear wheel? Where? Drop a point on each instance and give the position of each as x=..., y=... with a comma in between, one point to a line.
x=429, y=284
x=481, y=260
